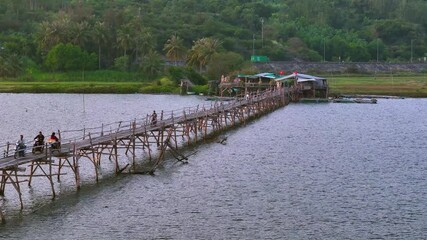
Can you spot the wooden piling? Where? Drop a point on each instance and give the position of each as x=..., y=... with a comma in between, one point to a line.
x=154, y=140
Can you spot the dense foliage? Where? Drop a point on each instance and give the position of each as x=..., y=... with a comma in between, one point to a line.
x=143, y=35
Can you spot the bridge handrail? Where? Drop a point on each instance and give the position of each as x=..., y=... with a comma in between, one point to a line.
x=118, y=125
x=72, y=135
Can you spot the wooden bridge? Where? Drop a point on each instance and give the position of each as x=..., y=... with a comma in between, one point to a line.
x=135, y=139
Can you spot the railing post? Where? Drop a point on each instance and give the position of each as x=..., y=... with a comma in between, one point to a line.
x=118, y=127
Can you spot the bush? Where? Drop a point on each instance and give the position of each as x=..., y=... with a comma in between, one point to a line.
x=68, y=57
x=121, y=63
x=176, y=74
x=195, y=77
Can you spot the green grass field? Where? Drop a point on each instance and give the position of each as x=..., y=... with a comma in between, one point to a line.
x=395, y=85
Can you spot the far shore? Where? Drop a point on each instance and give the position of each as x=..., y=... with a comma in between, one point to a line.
x=405, y=85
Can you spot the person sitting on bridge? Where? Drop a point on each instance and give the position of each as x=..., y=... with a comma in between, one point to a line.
x=39, y=142
x=154, y=118
x=39, y=139
x=54, y=141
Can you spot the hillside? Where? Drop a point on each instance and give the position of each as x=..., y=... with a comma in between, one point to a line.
x=140, y=35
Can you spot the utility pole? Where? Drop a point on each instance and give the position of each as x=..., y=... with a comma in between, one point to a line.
x=253, y=45
x=262, y=32
x=412, y=41
x=377, y=49
x=324, y=50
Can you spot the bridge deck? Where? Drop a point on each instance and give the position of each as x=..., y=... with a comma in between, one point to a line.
x=67, y=148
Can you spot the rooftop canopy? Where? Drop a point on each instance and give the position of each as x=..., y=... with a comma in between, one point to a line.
x=259, y=75
x=300, y=77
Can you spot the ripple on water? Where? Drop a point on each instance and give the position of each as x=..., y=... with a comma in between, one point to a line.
x=316, y=171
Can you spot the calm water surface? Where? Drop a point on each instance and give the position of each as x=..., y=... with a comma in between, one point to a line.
x=306, y=171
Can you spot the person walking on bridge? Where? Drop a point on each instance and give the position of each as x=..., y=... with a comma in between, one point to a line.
x=20, y=147
x=154, y=118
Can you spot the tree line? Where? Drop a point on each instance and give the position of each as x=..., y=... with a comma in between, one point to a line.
x=210, y=37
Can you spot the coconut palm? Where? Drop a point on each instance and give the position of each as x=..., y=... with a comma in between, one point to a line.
x=145, y=42
x=51, y=33
x=202, y=52
x=174, y=48
x=80, y=34
x=152, y=63
x=101, y=36
x=125, y=38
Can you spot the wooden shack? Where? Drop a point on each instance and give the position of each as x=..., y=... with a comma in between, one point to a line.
x=308, y=86
x=186, y=86
x=244, y=84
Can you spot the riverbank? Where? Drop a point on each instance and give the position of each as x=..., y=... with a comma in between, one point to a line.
x=407, y=85
x=106, y=81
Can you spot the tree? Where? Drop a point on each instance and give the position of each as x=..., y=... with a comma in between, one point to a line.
x=144, y=42
x=174, y=48
x=10, y=65
x=395, y=31
x=152, y=64
x=68, y=57
x=377, y=50
x=80, y=33
x=202, y=51
x=224, y=63
x=101, y=36
x=54, y=32
x=124, y=38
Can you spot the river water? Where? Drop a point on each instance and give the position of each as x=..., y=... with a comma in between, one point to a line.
x=305, y=171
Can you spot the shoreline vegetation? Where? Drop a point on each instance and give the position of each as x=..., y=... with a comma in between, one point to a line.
x=403, y=84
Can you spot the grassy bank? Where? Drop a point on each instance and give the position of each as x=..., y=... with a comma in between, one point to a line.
x=89, y=82
x=409, y=85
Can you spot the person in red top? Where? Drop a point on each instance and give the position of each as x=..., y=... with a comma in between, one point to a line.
x=54, y=141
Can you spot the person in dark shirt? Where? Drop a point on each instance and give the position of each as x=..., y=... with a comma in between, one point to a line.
x=39, y=138
x=154, y=118
x=39, y=142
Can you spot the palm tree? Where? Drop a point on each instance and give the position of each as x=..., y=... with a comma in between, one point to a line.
x=80, y=34
x=145, y=42
x=210, y=47
x=152, y=63
x=101, y=37
x=174, y=48
x=52, y=33
x=124, y=38
x=202, y=52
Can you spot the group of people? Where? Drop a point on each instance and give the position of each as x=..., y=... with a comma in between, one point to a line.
x=38, y=143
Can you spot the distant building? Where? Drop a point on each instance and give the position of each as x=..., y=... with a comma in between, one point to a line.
x=186, y=86
x=308, y=86
x=244, y=84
